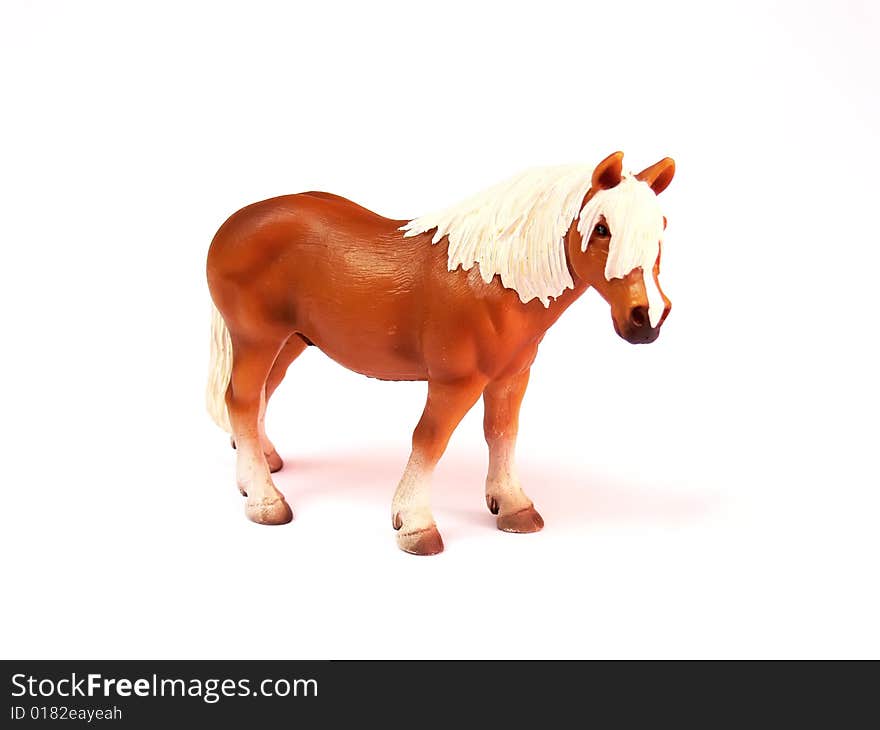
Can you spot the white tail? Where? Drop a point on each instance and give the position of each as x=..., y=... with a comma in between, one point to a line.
x=219, y=372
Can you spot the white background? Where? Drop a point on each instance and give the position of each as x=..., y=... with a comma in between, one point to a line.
x=714, y=494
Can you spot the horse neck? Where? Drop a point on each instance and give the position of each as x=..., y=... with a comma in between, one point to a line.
x=532, y=319
x=548, y=317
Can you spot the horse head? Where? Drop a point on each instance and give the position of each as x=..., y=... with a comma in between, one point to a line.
x=617, y=240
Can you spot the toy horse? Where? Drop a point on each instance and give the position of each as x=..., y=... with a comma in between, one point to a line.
x=461, y=299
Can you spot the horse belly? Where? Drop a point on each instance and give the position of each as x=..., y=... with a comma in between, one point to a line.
x=371, y=328
x=386, y=353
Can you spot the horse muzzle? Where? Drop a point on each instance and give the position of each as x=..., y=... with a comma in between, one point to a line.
x=637, y=329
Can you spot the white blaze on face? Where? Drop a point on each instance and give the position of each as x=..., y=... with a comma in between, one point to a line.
x=635, y=221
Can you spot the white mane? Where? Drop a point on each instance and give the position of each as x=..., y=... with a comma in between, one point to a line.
x=517, y=230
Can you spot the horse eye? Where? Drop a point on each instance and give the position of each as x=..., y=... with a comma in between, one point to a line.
x=601, y=230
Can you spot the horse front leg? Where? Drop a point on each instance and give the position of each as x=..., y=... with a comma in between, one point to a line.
x=504, y=494
x=411, y=507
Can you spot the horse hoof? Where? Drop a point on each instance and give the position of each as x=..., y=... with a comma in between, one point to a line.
x=271, y=511
x=274, y=461
x=426, y=541
x=492, y=504
x=526, y=520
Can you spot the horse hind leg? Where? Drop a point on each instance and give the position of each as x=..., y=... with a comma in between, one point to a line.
x=252, y=362
x=292, y=349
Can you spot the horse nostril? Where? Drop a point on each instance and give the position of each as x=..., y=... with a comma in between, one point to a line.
x=639, y=316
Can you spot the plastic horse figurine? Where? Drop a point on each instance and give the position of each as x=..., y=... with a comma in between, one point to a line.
x=460, y=299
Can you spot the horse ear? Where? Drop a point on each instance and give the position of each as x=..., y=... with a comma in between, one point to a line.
x=607, y=173
x=658, y=175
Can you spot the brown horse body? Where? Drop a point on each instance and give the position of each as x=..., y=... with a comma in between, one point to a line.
x=318, y=269
x=318, y=262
